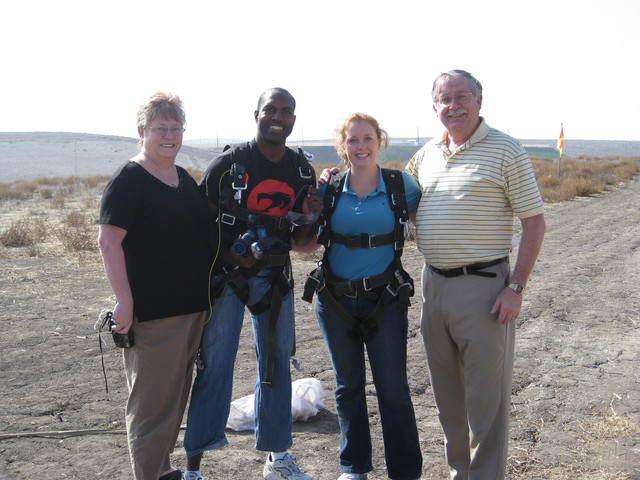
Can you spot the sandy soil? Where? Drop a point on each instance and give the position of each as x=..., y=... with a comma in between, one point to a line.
x=576, y=394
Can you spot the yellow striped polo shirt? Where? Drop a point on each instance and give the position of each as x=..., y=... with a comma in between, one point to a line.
x=470, y=196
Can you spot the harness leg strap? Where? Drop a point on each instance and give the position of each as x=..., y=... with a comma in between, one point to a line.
x=273, y=301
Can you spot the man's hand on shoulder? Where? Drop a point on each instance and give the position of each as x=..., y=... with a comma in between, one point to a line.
x=325, y=176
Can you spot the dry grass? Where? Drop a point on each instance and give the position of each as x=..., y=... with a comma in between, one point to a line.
x=34, y=228
x=18, y=190
x=25, y=232
x=48, y=187
x=77, y=200
x=77, y=232
x=582, y=176
x=592, y=435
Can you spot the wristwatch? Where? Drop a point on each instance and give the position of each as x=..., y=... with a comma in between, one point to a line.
x=516, y=287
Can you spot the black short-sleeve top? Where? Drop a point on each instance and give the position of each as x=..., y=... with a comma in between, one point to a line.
x=169, y=242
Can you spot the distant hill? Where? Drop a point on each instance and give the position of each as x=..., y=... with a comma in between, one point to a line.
x=401, y=149
x=577, y=148
x=57, y=154
x=52, y=154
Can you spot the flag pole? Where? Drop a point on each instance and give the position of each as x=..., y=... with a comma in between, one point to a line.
x=560, y=146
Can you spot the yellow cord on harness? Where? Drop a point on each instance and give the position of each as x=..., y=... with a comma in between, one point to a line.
x=215, y=258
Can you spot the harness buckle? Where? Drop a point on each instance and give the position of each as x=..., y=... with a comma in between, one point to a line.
x=305, y=172
x=371, y=241
x=402, y=283
x=406, y=228
x=282, y=223
x=315, y=284
x=228, y=219
x=239, y=183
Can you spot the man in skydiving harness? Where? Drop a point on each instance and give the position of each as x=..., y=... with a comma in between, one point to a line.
x=266, y=203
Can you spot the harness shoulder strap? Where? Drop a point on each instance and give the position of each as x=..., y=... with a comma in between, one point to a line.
x=395, y=190
x=330, y=200
x=238, y=155
x=305, y=171
x=398, y=200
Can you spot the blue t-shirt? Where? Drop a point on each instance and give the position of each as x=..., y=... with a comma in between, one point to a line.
x=373, y=215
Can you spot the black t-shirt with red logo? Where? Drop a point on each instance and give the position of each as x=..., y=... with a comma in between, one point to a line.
x=272, y=188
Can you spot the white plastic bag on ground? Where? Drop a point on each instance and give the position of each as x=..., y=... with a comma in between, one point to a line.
x=241, y=414
x=306, y=399
x=306, y=402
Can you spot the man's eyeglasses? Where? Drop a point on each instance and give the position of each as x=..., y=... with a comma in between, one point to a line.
x=460, y=98
x=162, y=131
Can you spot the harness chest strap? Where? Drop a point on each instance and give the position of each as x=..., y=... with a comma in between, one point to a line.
x=365, y=240
x=397, y=199
x=234, y=213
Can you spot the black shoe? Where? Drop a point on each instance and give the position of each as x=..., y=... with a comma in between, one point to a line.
x=175, y=475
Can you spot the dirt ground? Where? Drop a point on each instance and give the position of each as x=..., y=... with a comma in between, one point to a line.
x=576, y=394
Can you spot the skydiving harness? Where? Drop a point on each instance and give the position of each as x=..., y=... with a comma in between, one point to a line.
x=281, y=280
x=395, y=283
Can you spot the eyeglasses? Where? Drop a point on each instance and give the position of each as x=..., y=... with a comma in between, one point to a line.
x=162, y=131
x=461, y=98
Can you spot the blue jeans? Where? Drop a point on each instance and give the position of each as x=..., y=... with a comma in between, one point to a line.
x=387, y=353
x=212, y=388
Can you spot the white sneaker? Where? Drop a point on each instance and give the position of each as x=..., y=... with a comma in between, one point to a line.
x=191, y=476
x=285, y=469
x=353, y=476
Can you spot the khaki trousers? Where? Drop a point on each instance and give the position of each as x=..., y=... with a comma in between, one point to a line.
x=470, y=359
x=159, y=371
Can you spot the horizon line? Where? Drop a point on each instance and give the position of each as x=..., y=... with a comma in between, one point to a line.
x=406, y=139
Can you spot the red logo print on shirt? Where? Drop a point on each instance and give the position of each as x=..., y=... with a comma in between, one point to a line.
x=271, y=197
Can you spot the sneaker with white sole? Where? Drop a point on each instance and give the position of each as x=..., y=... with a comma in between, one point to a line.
x=284, y=469
x=353, y=476
x=190, y=475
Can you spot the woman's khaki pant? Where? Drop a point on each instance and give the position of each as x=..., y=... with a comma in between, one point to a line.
x=159, y=371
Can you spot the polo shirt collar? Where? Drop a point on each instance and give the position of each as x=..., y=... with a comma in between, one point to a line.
x=382, y=187
x=479, y=134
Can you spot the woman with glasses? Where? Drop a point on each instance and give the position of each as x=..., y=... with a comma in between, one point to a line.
x=155, y=242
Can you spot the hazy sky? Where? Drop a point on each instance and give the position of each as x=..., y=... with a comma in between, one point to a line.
x=82, y=66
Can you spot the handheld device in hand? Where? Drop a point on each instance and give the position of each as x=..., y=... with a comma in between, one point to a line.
x=122, y=340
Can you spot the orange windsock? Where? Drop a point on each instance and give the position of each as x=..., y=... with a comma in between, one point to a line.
x=561, y=139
